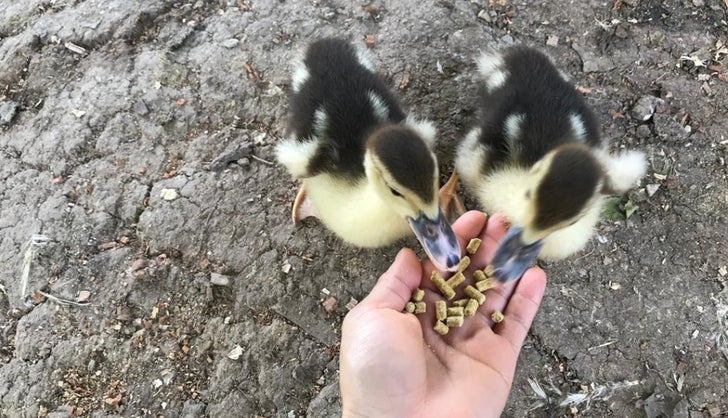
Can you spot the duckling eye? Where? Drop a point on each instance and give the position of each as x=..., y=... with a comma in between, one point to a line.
x=394, y=192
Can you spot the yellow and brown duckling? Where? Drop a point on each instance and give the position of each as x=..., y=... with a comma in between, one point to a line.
x=367, y=168
x=537, y=157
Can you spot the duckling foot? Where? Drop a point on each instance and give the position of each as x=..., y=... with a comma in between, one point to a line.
x=449, y=197
x=302, y=207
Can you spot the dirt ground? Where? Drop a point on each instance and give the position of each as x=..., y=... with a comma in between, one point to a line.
x=138, y=182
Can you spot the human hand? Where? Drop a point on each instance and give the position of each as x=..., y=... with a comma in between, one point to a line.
x=393, y=364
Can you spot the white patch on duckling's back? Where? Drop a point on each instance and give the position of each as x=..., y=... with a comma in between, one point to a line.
x=425, y=129
x=296, y=155
x=365, y=59
x=320, y=121
x=512, y=132
x=577, y=126
x=381, y=111
x=354, y=212
x=490, y=67
x=469, y=159
x=299, y=78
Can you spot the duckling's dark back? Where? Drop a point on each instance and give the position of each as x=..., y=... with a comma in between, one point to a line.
x=335, y=105
x=534, y=91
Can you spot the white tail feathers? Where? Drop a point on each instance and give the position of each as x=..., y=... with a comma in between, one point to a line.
x=624, y=170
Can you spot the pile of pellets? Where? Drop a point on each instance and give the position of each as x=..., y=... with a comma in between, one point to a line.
x=454, y=315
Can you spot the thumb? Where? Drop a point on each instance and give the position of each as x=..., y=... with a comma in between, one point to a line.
x=394, y=288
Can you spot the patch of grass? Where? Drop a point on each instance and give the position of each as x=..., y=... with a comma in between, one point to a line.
x=615, y=210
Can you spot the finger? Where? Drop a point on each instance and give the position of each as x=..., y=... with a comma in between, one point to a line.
x=394, y=288
x=522, y=307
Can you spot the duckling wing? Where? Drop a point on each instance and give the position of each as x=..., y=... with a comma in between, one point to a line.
x=337, y=100
x=529, y=108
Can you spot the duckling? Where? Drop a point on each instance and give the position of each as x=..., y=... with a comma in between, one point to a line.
x=537, y=157
x=367, y=168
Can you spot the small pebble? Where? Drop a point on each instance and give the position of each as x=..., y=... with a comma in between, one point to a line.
x=7, y=112
x=83, y=296
x=219, y=279
x=230, y=43
x=652, y=189
x=169, y=194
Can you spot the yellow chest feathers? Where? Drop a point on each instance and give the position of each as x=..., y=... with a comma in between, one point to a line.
x=355, y=212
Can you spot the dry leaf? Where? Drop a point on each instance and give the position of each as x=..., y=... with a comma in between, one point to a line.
x=113, y=401
x=369, y=41
x=583, y=89
x=252, y=74
x=404, y=82
x=330, y=304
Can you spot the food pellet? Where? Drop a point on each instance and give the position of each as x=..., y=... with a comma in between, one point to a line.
x=497, y=317
x=464, y=263
x=473, y=245
x=460, y=302
x=456, y=280
x=441, y=328
x=454, y=321
x=478, y=275
x=455, y=311
x=489, y=270
x=440, y=310
x=420, y=307
x=418, y=295
x=470, y=308
x=409, y=307
x=475, y=294
x=442, y=286
x=484, y=285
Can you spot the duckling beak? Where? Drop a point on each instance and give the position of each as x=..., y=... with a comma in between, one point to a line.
x=513, y=256
x=438, y=240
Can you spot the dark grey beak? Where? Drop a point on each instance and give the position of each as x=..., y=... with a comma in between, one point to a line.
x=438, y=240
x=513, y=256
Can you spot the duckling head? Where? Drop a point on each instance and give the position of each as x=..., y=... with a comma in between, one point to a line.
x=403, y=171
x=563, y=186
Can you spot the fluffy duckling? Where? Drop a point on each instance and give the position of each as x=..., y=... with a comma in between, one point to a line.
x=536, y=156
x=367, y=169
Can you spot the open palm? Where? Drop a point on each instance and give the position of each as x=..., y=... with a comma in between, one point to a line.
x=394, y=363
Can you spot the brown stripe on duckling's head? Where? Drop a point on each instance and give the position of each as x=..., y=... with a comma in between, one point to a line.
x=406, y=158
x=572, y=179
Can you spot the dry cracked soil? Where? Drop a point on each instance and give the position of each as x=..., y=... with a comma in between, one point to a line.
x=148, y=266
